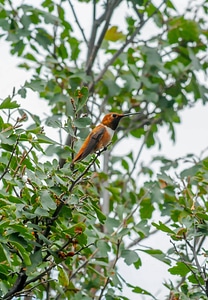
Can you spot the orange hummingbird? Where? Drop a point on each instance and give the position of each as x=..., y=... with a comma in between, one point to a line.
x=100, y=136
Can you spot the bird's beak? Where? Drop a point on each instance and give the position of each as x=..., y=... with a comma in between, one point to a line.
x=131, y=114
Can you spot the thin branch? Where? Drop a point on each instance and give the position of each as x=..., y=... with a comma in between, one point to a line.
x=73, y=184
x=132, y=212
x=109, y=12
x=78, y=23
x=128, y=41
x=10, y=159
x=113, y=267
x=25, y=154
x=40, y=275
x=83, y=265
x=188, y=266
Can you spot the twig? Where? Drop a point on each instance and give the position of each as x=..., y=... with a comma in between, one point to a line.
x=9, y=162
x=73, y=184
x=40, y=275
x=83, y=265
x=18, y=285
x=109, y=12
x=132, y=212
x=25, y=154
x=128, y=41
x=78, y=23
x=188, y=266
x=113, y=267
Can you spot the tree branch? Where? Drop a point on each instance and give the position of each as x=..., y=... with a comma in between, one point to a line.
x=73, y=184
x=113, y=267
x=108, y=14
x=128, y=41
x=10, y=159
x=78, y=23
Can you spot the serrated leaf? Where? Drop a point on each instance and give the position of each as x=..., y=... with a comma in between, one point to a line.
x=8, y=103
x=180, y=269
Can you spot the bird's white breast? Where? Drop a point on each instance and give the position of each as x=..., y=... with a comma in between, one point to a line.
x=110, y=131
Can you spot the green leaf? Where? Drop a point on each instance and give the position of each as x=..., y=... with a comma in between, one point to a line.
x=63, y=277
x=82, y=122
x=103, y=247
x=36, y=259
x=99, y=214
x=82, y=97
x=22, y=92
x=9, y=103
x=46, y=201
x=158, y=254
x=129, y=256
x=23, y=252
x=180, y=269
x=41, y=138
x=139, y=290
x=163, y=227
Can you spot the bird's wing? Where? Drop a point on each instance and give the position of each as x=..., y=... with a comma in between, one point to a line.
x=89, y=145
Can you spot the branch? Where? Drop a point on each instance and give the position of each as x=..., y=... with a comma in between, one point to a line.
x=9, y=162
x=73, y=184
x=188, y=266
x=18, y=285
x=83, y=265
x=78, y=23
x=108, y=14
x=40, y=275
x=128, y=41
x=124, y=222
x=113, y=267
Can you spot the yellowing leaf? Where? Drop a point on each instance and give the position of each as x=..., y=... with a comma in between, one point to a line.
x=113, y=34
x=162, y=183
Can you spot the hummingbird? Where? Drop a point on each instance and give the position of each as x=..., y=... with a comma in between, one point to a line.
x=101, y=136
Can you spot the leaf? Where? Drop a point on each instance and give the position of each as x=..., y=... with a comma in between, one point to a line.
x=180, y=269
x=103, y=247
x=139, y=290
x=63, y=277
x=82, y=97
x=113, y=35
x=36, y=259
x=22, y=92
x=163, y=227
x=99, y=214
x=46, y=200
x=8, y=103
x=146, y=209
x=191, y=171
x=82, y=122
x=43, y=139
x=23, y=252
x=158, y=254
x=129, y=256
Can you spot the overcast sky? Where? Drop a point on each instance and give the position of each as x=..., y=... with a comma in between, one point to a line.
x=191, y=137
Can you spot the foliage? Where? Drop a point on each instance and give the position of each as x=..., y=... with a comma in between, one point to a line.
x=63, y=232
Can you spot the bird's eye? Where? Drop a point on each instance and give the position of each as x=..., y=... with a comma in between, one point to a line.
x=114, y=115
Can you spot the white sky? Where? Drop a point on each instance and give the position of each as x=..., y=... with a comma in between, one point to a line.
x=191, y=137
